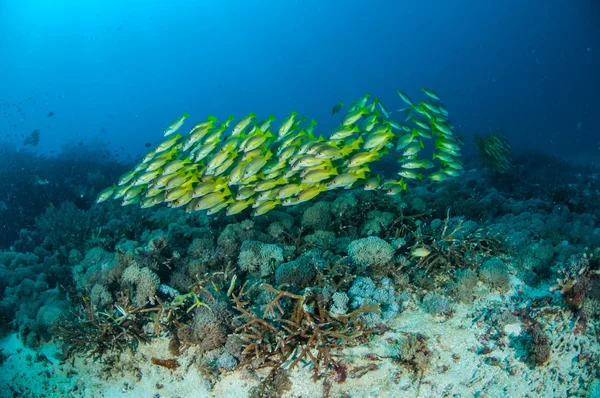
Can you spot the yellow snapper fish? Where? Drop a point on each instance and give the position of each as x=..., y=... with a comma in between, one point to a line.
x=287, y=125
x=125, y=178
x=106, y=194
x=242, y=124
x=168, y=143
x=431, y=93
x=315, y=176
x=152, y=201
x=372, y=183
x=362, y=158
x=175, y=124
x=410, y=174
x=268, y=184
x=238, y=207
x=210, y=200
x=265, y=207
x=206, y=187
x=308, y=194
x=219, y=206
x=244, y=193
x=343, y=181
x=290, y=190
x=181, y=201
x=405, y=98
x=175, y=165
x=145, y=178
x=344, y=131
x=354, y=116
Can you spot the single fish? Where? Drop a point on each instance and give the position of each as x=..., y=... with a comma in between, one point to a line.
x=336, y=108
x=175, y=124
x=431, y=93
x=420, y=252
x=106, y=194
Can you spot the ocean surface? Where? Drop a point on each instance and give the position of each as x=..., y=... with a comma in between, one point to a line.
x=299, y=198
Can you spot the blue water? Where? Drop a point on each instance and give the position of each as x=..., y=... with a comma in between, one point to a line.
x=118, y=72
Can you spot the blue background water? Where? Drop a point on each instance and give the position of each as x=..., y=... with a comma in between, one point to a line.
x=119, y=71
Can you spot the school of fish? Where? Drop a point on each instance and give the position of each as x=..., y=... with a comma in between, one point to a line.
x=251, y=164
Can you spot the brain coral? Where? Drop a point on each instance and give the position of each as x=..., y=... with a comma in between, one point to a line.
x=370, y=251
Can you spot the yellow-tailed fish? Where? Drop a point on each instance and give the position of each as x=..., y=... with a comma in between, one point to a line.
x=238, y=207
x=256, y=164
x=290, y=190
x=344, y=131
x=106, y=194
x=410, y=174
x=120, y=191
x=149, y=156
x=353, y=117
x=266, y=125
x=153, y=191
x=168, y=143
x=437, y=176
x=257, y=140
x=205, y=151
x=219, y=206
x=287, y=125
x=210, y=200
x=145, y=178
x=175, y=124
x=309, y=194
x=268, y=184
x=206, y=187
x=125, y=178
x=152, y=201
x=343, y=181
x=443, y=156
x=362, y=158
x=405, y=141
x=175, y=165
x=413, y=149
x=244, y=193
x=316, y=176
x=181, y=201
x=195, y=137
x=134, y=192
x=377, y=140
x=372, y=183
x=431, y=93
x=265, y=207
x=242, y=124
x=223, y=167
x=175, y=194
x=405, y=98
x=382, y=108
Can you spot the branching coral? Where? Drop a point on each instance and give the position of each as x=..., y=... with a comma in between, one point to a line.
x=300, y=330
x=448, y=251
